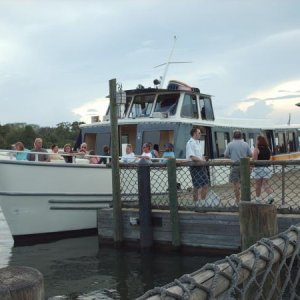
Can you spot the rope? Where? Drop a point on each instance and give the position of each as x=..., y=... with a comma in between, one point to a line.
x=238, y=285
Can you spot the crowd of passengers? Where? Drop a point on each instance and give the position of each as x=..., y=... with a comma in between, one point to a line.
x=38, y=153
x=235, y=151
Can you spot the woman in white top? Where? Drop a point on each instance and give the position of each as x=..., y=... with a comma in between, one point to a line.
x=146, y=152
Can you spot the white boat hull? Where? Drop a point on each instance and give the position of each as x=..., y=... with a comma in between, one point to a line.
x=42, y=198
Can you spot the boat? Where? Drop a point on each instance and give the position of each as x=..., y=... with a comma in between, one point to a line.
x=41, y=199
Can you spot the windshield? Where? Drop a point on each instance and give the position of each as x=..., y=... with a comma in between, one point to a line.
x=141, y=106
x=167, y=103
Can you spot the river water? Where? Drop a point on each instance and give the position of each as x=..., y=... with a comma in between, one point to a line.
x=78, y=269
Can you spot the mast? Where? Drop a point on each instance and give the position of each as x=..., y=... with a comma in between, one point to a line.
x=167, y=64
x=162, y=81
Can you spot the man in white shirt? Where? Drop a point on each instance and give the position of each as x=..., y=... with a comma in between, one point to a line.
x=198, y=173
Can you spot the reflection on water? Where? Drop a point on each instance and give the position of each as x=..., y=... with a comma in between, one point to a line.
x=6, y=242
x=77, y=269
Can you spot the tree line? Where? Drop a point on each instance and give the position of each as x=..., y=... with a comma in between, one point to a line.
x=63, y=133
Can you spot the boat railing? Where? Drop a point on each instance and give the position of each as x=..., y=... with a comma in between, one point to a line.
x=77, y=157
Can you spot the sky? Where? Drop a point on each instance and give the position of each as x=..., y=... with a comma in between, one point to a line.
x=57, y=56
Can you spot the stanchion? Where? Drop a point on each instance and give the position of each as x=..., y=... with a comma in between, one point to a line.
x=144, y=187
x=173, y=203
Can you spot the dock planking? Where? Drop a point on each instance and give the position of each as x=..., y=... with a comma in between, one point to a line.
x=219, y=231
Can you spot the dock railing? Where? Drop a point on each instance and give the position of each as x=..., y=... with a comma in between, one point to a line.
x=285, y=176
x=267, y=270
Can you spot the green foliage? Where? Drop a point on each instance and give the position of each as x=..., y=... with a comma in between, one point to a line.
x=60, y=135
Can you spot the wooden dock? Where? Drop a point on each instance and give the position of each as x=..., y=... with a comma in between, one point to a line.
x=216, y=232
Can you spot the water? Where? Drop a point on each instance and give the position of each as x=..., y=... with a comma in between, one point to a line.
x=78, y=269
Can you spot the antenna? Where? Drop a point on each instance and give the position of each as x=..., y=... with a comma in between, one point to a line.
x=168, y=63
x=289, y=120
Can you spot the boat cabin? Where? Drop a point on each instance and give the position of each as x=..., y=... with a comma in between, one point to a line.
x=158, y=116
x=161, y=116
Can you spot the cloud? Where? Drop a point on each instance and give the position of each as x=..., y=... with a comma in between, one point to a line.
x=258, y=110
x=97, y=107
x=56, y=55
x=270, y=103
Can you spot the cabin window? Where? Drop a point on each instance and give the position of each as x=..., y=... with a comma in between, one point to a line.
x=206, y=109
x=189, y=107
x=222, y=139
x=280, y=143
x=124, y=139
x=128, y=135
x=127, y=104
x=291, y=142
x=124, y=142
x=141, y=106
x=167, y=103
x=252, y=140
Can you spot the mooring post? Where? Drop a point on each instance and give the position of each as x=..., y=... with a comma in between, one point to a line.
x=116, y=193
x=257, y=221
x=144, y=188
x=245, y=179
x=173, y=202
x=21, y=283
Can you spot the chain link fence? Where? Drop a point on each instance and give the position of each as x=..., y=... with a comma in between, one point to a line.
x=283, y=183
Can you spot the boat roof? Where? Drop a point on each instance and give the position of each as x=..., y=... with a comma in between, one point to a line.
x=150, y=90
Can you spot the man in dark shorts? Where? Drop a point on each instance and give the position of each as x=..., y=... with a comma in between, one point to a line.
x=199, y=175
x=236, y=150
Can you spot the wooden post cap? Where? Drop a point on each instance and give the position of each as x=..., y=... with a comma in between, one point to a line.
x=257, y=220
x=21, y=283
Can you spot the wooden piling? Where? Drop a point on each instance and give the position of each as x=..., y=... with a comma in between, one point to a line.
x=257, y=221
x=245, y=179
x=173, y=203
x=116, y=193
x=145, y=218
x=21, y=283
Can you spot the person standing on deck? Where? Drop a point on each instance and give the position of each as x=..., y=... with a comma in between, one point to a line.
x=105, y=152
x=38, y=147
x=83, y=148
x=22, y=151
x=155, y=151
x=236, y=150
x=168, y=153
x=129, y=156
x=262, y=174
x=146, y=154
x=198, y=173
x=68, y=150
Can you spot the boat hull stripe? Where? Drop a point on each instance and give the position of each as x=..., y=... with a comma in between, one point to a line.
x=78, y=208
x=53, y=194
x=79, y=201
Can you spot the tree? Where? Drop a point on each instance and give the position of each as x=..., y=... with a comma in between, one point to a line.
x=63, y=133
